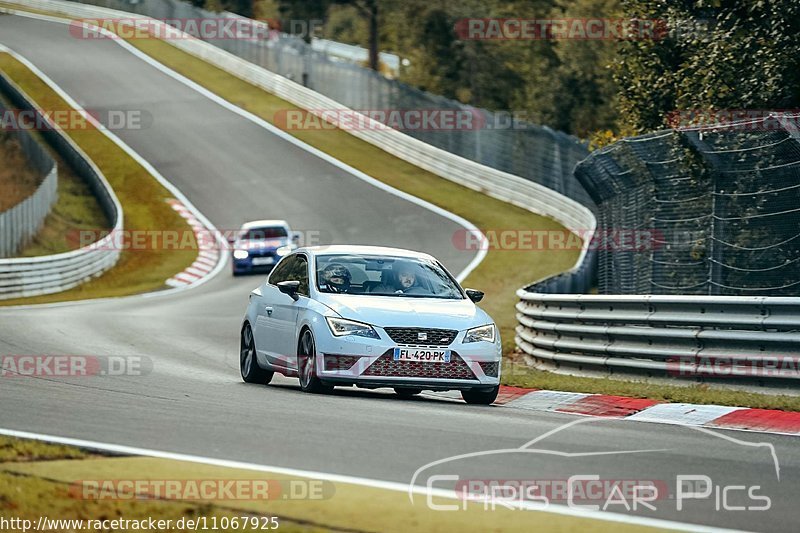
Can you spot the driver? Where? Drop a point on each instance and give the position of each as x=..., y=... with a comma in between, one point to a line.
x=336, y=277
x=404, y=281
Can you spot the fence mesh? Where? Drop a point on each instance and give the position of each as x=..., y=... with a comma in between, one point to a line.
x=533, y=152
x=722, y=203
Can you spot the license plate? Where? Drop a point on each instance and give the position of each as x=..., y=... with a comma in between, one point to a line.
x=423, y=355
x=258, y=261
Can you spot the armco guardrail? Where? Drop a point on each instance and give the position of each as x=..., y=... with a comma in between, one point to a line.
x=721, y=338
x=31, y=276
x=501, y=185
x=21, y=222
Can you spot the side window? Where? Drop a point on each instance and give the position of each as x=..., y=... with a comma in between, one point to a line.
x=281, y=271
x=298, y=271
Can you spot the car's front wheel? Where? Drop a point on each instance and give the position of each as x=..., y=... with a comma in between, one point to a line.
x=248, y=364
x=307, y=365
x=480, y=396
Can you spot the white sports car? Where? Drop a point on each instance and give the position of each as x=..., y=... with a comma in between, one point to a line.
x=371, y=317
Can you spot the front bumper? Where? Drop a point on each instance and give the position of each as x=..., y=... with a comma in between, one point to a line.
x=243, y=266
x=369, y=363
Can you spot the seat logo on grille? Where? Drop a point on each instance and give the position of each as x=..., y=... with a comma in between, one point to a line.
x=422, y=336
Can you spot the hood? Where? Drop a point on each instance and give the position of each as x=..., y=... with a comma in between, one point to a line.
x=392, y=311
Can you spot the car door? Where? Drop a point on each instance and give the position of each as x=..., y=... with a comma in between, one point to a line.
x=277, y=323
x=265, y=329
x=287, y=310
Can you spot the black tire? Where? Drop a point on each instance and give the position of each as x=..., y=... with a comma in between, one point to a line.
x=406, y=392
x=248, y=363
x=480, y=396
x=307, y=365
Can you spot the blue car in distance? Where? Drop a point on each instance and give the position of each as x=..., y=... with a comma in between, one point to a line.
x=260, y=245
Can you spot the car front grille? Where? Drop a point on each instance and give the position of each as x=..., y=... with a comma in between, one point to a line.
x=386, y=366
x=422, y=336
x=490, y=368
x=261, y=253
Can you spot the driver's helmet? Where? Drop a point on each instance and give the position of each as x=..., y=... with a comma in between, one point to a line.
x=337, y=277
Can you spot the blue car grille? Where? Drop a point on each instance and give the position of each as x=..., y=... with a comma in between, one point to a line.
x=261, y=253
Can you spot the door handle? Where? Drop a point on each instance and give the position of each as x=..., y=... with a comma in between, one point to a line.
x=268, y=309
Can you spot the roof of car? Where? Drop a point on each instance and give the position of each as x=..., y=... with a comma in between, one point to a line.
x=265, y=224
x=359, y=249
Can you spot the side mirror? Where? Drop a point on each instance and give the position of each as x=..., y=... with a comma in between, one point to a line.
x=290, y=288
x=475, y=296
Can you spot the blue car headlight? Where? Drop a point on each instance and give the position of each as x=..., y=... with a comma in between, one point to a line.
x=283, y=250
x=341, y=327
x=481, y=333
x=240, y=254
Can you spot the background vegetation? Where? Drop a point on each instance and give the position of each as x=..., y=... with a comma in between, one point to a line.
x=715, y=54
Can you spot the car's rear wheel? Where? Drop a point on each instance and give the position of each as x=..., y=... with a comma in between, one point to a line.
x=307, y=366
x=480, y=396
x=406, y=392
x=248, y=364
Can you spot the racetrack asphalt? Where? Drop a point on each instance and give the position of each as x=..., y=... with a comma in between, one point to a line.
x=193, y=400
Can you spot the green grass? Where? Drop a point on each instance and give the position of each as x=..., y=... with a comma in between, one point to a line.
x=141, y=196
x=29, y=489
x=19, y=450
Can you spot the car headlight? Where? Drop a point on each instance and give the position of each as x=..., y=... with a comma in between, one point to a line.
x=481, y=333
x=283, y=250
x=341, y=327
x=240, y=254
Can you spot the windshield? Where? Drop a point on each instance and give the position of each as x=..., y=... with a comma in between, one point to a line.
x=260, y=234
x=385, y=276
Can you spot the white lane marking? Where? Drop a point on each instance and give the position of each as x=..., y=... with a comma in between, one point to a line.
x=546, y=400
x=353, y=480
x=469, y=226
x=133, y=154
x=684, y=414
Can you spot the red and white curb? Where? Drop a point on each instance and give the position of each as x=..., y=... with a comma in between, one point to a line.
x=206, y=260
x=644, y=410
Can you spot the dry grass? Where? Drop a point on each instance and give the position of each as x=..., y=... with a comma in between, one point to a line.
x=17, y=179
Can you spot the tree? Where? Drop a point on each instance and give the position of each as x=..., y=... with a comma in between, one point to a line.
x=718, y=54
x=308, y=10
